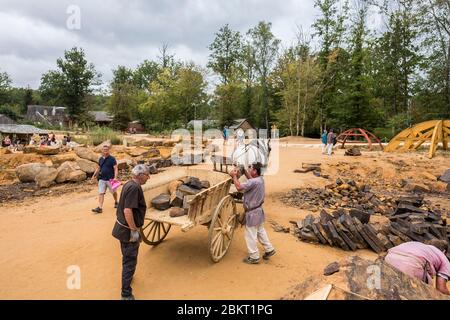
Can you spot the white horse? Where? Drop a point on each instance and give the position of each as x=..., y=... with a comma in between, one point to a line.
x=258, y=150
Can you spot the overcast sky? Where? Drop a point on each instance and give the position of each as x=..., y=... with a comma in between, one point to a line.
x=33, y=34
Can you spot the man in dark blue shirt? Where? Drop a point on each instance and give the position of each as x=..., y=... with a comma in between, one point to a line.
x=106, y=171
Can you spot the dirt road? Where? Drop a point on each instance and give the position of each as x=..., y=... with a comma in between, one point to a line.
x=40, y=240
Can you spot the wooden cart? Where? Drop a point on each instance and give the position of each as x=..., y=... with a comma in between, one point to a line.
x=214, y=208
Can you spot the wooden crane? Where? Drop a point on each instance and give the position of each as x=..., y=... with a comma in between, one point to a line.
x=433, y=131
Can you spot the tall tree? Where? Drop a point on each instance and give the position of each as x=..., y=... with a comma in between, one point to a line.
x=225, y=54
x=71, y=84
x=122, y=102
x=330, y=27
x=5, y=85
x=265, y=47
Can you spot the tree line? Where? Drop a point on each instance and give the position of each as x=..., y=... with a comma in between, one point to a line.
x=366, y=63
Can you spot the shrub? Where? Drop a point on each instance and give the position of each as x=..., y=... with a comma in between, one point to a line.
x=100, y=134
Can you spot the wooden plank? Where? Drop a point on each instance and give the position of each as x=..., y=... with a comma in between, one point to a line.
x=163, y=216
x=437, y=136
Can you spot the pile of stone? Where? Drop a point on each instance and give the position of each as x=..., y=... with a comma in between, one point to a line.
x=345, y=194
x=353, y=152
x=412, y=220
x=181, y=193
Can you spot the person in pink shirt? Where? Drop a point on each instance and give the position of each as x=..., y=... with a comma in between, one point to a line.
x=422, y=261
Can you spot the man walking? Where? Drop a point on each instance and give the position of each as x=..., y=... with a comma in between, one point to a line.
x=330, y=142
x=324, y=141
x=130, y=217
x=106, y=171
x=254, y=194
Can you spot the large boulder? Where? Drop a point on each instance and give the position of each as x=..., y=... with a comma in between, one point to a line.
x=161, y=202
x=48, y=151
x=445, y=177
x=65, y=171
x=46, y=177
x=152, y=153
x=165, y=152
x=87, y=166
x=142, y=143
x=61, y=158
x=99, y=148
x=137, y=152
x=77, y=176
x=123, y=164
x=363, y=279
x=29, y=149
x=28, y=172
x=85, y=153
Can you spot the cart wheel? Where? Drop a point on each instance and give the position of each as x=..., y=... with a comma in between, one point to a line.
x=154, y=232
x=222, y=228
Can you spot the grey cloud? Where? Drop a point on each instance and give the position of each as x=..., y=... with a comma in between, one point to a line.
x=127, y=32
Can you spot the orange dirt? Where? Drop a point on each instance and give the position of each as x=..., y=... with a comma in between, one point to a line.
x=41, y=238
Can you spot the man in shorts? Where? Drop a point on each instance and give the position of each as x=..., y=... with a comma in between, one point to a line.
x=106, y=171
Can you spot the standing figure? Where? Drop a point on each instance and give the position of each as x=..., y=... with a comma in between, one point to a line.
x=130, y=217
x=254, y=194
x=106, y=171
x=324, y=141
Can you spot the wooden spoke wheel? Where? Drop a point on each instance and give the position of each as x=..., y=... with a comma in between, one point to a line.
x=154, y=232
x=221, y=229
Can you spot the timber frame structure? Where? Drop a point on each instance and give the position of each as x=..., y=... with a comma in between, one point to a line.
x=433, y=131
x=358, y=132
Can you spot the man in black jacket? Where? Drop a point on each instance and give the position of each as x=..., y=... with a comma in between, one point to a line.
x=130, y=217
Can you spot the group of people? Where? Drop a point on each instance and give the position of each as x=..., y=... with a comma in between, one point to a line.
x=329, y=140
x=131, y=208
x=416, y=259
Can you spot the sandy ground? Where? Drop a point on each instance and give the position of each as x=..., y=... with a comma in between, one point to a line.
x=40, y=240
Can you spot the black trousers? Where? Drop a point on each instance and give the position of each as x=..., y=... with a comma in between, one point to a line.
x=129, y=262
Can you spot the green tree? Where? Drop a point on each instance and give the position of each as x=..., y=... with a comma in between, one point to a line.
x=5, y=86
x=122, y=103
x=71, y=84
x=265, y=47
x=329, y=27
x=225, y=54
x=354, y=107
x=190, y=91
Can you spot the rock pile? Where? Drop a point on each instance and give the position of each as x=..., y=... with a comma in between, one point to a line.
x=412, y=220
x=341, y=194
x=181, y=193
